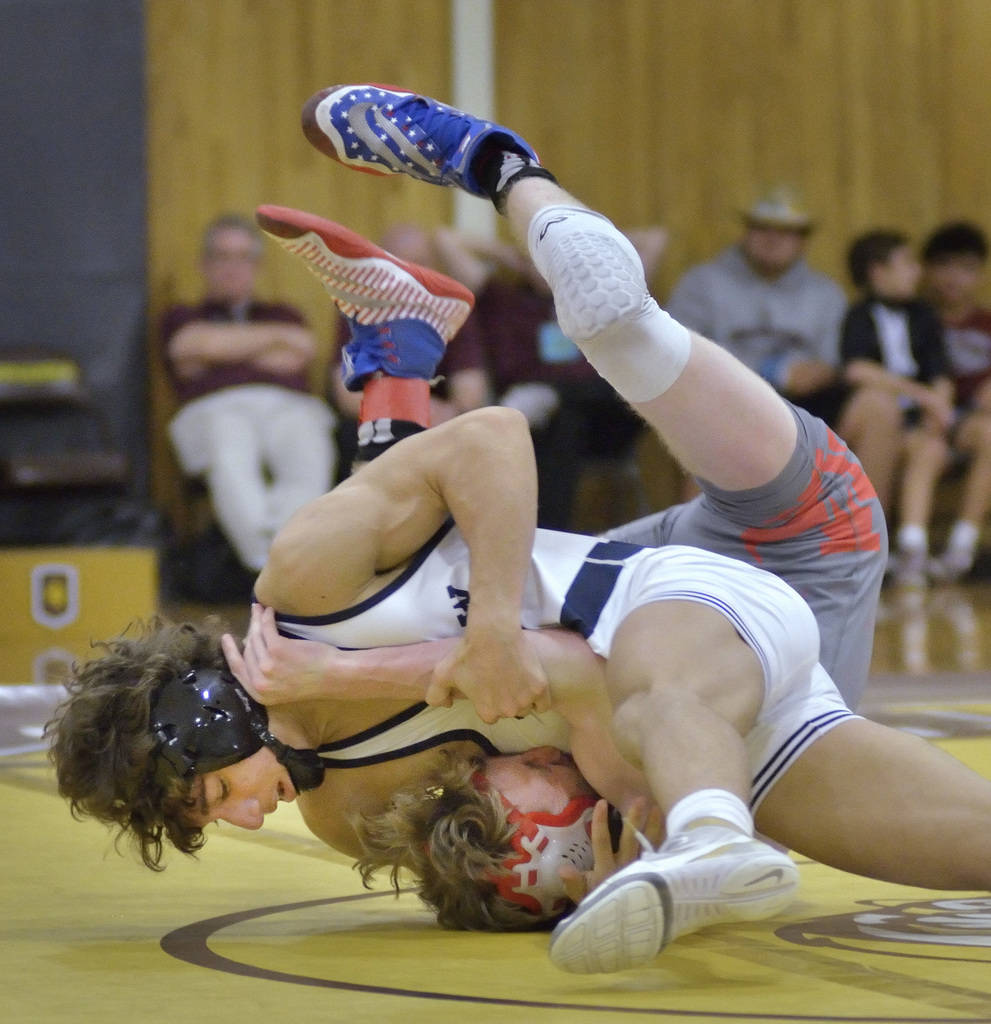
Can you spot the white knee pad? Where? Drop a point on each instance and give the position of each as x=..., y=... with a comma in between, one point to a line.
x=593, y=269
x=603, y=304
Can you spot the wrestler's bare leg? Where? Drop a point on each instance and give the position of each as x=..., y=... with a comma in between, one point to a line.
x=883, y=803
x=718, y=418
x=675, y=718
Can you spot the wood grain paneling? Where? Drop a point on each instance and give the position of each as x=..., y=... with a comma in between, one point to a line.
x=678, y=110
x=226, y=81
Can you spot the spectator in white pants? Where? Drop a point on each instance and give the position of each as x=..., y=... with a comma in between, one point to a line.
x=247, y=422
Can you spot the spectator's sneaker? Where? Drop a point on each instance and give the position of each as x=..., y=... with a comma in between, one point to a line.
x=383, y=130
x=705, y=876
x=368, y=284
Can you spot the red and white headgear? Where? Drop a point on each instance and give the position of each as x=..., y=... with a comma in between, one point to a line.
x=543, y=843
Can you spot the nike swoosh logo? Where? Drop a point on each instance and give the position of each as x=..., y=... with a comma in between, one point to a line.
x=776, y=873
x=356, y=118
x=544, y=229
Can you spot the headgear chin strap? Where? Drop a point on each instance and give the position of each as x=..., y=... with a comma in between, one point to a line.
x=542, y=844
x=206, y=720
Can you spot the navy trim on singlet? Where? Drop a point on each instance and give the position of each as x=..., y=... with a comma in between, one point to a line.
x=701, y=597
x=374, y=730
x=783, y=756
x=450, y=736
x=594, y=582
x=417, y=560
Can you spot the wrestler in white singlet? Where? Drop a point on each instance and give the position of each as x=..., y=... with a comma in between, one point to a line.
x=589, y=586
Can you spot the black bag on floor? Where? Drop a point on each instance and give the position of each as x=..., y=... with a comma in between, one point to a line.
x=206, y=569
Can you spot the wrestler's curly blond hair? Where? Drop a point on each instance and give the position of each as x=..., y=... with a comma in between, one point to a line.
x=101, y=743
x=452, y=838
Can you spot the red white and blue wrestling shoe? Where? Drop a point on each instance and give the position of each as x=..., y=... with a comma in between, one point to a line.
x=704, y=876
x=402, y=314
x=380, y=129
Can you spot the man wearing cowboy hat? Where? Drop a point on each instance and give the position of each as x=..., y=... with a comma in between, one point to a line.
x=761, y=300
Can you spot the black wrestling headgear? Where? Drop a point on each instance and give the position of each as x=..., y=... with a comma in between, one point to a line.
x=206, y=720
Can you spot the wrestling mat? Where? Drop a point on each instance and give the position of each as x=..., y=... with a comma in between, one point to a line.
x=271, y=926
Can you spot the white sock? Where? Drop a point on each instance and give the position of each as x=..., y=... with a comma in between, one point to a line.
x=602, y=301
x=710, y=803
x=963, y=536
x=913, y=538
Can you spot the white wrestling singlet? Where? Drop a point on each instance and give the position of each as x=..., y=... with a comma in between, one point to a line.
x=588, y=586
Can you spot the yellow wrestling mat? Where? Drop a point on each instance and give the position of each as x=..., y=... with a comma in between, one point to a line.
x=272, y=926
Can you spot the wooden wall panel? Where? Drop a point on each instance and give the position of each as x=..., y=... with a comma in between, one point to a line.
x=678, y=110
x=226, y=81
x=669, y=111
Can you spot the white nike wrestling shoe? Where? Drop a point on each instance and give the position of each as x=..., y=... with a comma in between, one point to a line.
x=705, y=876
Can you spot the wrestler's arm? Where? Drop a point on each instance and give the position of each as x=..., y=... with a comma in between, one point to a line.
x=477, y=468
x=280, y=670
x=578, y=693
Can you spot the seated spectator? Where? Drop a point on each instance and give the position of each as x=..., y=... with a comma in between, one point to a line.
x=574, y=414
x=247, y=423
x=901, y=409
x=760, y=300
x=462, y=382
x=954, y=257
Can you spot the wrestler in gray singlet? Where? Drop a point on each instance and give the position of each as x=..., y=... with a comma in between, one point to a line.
x=818, y=525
